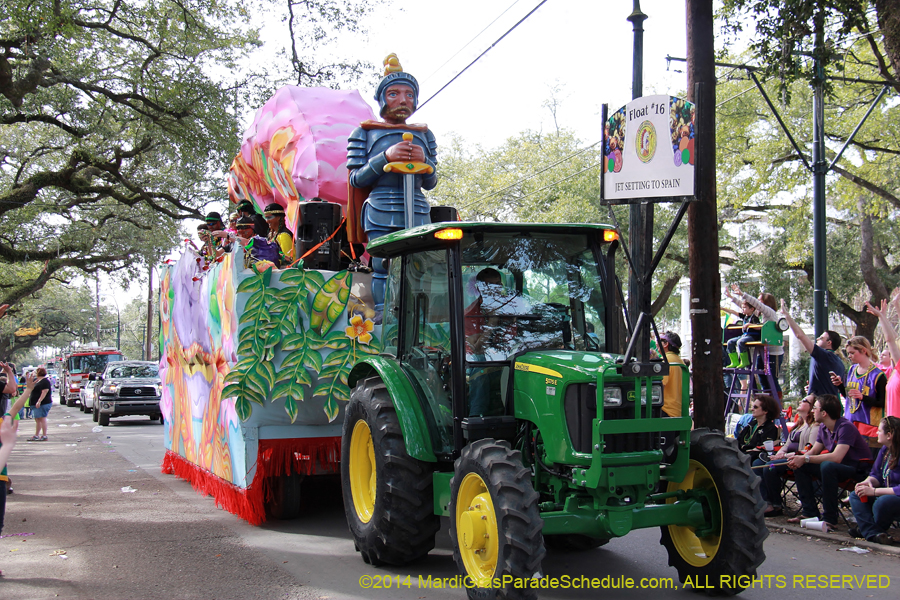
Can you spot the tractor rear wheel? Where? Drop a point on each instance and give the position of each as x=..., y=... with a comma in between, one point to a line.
x=495, y=525
x=388, y=495
x=726, y=558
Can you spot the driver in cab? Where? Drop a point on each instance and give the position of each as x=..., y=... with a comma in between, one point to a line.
x=488, y=336
x=490, y=331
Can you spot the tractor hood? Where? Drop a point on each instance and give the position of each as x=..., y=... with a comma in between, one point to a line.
x=565, y=364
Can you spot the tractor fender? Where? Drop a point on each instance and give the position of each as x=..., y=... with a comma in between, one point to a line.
x=405, y=400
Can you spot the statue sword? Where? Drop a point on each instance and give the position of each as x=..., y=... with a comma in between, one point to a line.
x=409, y=171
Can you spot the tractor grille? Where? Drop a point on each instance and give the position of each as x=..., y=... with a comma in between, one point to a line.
x=137, y=392
x=581, y=409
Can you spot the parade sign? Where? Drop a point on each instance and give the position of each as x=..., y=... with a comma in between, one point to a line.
x=649, y=149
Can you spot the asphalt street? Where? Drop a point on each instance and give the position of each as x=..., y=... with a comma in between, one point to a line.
x=74, y=529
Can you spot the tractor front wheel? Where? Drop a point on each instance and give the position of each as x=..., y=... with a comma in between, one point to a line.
x=495, y=525
x=726, y=555
x=388, y=495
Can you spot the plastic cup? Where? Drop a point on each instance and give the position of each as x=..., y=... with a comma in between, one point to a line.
x=805, y=523
x=769, y=445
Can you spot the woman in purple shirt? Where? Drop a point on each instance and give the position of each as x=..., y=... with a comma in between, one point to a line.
x=876, y=500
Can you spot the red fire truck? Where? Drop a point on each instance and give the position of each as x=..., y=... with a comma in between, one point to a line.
x=80, y=363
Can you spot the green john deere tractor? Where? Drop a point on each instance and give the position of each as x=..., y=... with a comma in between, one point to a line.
x=500, y=401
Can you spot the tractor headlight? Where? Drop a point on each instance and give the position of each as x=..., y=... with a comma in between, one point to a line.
x=656, y=395
x=612, y=396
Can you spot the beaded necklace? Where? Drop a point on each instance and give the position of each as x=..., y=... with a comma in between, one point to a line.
x=885, y=469
x=854, y=403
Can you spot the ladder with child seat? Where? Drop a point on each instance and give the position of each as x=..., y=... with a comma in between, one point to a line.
x=760, y=380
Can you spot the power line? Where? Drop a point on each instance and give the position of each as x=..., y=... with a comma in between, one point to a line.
x=520, y=21
x=469, y=42
x=532, y=176
x=557, y=182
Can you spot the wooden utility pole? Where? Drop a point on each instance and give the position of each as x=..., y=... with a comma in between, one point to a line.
x=703, y=226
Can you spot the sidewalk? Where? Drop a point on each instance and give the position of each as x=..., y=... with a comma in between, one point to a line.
x=71, y=532
x=780, y=525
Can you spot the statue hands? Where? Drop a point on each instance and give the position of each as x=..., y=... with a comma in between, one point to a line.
x=405, y=152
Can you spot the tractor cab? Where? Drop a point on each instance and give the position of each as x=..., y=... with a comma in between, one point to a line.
x=461, y=313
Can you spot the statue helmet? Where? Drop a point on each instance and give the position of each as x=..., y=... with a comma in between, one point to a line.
x=394, y=74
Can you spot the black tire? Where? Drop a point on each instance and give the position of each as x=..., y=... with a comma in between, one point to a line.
x=96, y=414
x=573, y=542
x=738, y=550
x=513, y=518
x=162, y=419
x=103, y=419
x=81, y=407
x=401, y=522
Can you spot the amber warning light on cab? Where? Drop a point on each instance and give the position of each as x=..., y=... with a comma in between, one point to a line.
x=453, y=233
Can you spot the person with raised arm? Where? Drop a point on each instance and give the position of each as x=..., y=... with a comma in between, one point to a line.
x=823, y=360
x=892, y=389
x=8, y=435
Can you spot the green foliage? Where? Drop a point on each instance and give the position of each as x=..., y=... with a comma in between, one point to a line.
x=63, y=314
x=785, y=34
x=797, y=376
x=118, y=119
x=765, y=192
x=273, y=321
x=111, y=129
x=318, y=24
x=330, y=302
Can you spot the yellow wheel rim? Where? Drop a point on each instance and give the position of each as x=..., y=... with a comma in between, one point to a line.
x=476, y=530
x=362, y=471
x=696, y=551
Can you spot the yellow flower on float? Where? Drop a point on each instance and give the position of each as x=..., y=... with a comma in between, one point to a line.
x=360, y=329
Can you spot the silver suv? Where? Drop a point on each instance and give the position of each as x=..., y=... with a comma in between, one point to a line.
x=129, y=387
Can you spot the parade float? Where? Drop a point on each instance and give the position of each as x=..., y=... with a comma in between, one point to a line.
x=254, y=359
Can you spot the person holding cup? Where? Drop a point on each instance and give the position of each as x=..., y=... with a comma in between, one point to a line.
x=876, y=499
x=765, y=411
x=772, y=468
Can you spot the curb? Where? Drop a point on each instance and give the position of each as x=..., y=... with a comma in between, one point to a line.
x=840, y=538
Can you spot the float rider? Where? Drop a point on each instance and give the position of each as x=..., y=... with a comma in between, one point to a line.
x=370, y=148
x=279, y=233
x=245, y=209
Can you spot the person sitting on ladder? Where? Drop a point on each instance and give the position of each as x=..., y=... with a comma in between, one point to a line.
x=738, y=346
x=766, y=307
